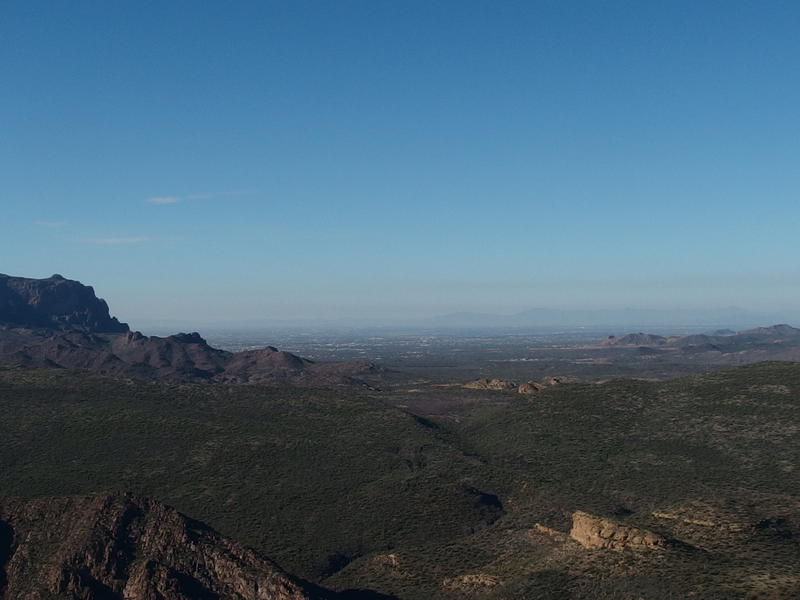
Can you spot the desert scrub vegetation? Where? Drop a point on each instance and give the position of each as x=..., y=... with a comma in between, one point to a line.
x=353, y=490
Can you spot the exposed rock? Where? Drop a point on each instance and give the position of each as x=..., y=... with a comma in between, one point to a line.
x=386, y=560
x=471, y=582
x=688, y=521
x=55, y=303
x=596, y=532
x=115, y=547
x=531, y=387
x=391, y=565
x=485, y=383
x=556, y=535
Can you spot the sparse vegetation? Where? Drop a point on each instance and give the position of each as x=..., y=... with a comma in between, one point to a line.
x=331, y=483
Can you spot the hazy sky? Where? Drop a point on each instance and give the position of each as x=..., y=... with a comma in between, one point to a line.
x=210, y=160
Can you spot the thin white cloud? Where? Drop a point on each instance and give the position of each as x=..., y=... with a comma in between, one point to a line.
x=161, y=200
x=116, y=240
x=50, y=224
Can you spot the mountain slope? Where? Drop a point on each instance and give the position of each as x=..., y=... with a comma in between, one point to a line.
x=313, y=479
x=115, y=547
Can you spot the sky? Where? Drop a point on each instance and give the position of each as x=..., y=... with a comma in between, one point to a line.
x=223, y=161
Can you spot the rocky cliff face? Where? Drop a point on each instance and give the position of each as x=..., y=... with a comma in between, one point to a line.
x=56, y=303
x=115, y=547
x=596, y=532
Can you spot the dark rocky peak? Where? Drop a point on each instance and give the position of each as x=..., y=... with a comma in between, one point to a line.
x=188, y=338
x=54, y=303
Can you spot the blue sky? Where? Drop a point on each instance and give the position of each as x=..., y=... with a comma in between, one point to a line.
x=212, y=161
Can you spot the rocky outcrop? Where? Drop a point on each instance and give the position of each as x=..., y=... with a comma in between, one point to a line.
x=472, y=583
x=56, y=303
x=115, y=547
x=529, y=387
x=485, y=383
x=596, y=533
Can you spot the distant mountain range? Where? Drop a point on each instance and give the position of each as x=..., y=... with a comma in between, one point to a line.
x=717, y=340
x=628, y=317
x=60, y=322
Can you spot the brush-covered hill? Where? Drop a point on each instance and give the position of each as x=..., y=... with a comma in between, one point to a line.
x=57, y=322
x=694, y=482
x=311, y=478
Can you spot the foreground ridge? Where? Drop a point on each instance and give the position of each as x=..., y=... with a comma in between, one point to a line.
x=124, y=546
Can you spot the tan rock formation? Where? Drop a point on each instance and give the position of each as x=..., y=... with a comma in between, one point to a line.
x=472, y=582
x=531, y=387
x=548, y=531
x=596, y=532
x=490, y=384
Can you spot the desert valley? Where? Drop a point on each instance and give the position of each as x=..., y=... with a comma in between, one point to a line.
x=160, y=467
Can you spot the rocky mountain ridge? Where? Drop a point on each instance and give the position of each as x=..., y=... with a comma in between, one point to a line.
x=61, y=323
x=721, y=339
x=123, y=546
